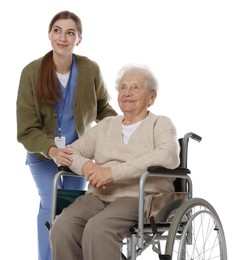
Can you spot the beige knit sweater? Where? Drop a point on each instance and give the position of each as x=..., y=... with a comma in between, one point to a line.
x=154, y=142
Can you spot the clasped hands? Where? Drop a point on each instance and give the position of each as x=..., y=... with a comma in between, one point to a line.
x=98, y=176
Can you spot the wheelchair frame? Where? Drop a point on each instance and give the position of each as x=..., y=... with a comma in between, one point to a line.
x=189, y=229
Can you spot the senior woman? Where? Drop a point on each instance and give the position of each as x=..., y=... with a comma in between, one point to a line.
x=112, y=156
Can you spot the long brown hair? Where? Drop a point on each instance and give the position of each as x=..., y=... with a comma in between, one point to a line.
x=47, y=90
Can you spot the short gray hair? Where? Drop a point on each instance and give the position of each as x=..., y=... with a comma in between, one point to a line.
x=150, y=80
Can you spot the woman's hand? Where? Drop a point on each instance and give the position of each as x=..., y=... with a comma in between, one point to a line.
x=61, y=156
x=98, y=176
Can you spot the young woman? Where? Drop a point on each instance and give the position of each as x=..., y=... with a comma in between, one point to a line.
x=60, y=95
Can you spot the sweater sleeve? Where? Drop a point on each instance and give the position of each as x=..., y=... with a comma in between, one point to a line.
x=83, y=150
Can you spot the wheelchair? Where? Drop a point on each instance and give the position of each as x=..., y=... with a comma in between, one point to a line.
x=185, y=229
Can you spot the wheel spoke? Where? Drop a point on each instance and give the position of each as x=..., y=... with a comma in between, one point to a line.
x=196, y=233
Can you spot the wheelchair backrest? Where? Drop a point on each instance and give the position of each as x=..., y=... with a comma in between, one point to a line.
x=179, y=183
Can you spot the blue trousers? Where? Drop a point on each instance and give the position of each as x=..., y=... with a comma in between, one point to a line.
x=43, y=173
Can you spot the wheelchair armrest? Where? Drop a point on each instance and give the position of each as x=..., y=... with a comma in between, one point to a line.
x=162, y=170
x=64, y=169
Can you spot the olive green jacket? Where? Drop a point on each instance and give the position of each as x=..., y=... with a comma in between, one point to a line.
x=36, y=123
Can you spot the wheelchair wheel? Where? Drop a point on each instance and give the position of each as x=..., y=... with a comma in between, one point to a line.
x=196, y=233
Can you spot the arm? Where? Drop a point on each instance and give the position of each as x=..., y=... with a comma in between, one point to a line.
x=98, y=176
x=104, y=109
x=30, y=130
x=83, y=151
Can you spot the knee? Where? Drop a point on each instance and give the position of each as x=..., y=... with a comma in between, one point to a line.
x=99, y=236
x=56, y=231
x=96, y=228
x=64, y=229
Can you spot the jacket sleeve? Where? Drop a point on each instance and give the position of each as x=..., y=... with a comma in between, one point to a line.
x=30, y=130
x=104, y=109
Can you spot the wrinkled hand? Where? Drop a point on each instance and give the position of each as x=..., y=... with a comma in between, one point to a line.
x=98, y=176
x=61, y=156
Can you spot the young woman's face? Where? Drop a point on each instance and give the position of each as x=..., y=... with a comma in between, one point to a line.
x=64, y=37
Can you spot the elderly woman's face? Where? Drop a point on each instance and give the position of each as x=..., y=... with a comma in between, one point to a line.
x=133, y=96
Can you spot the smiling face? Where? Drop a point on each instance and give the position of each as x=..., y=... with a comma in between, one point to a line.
x=64, y=37
x=134, y=98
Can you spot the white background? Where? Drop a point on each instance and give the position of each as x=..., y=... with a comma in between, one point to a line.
x=196, y=50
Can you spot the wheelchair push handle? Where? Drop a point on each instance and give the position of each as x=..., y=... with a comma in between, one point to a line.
x=194, y=137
